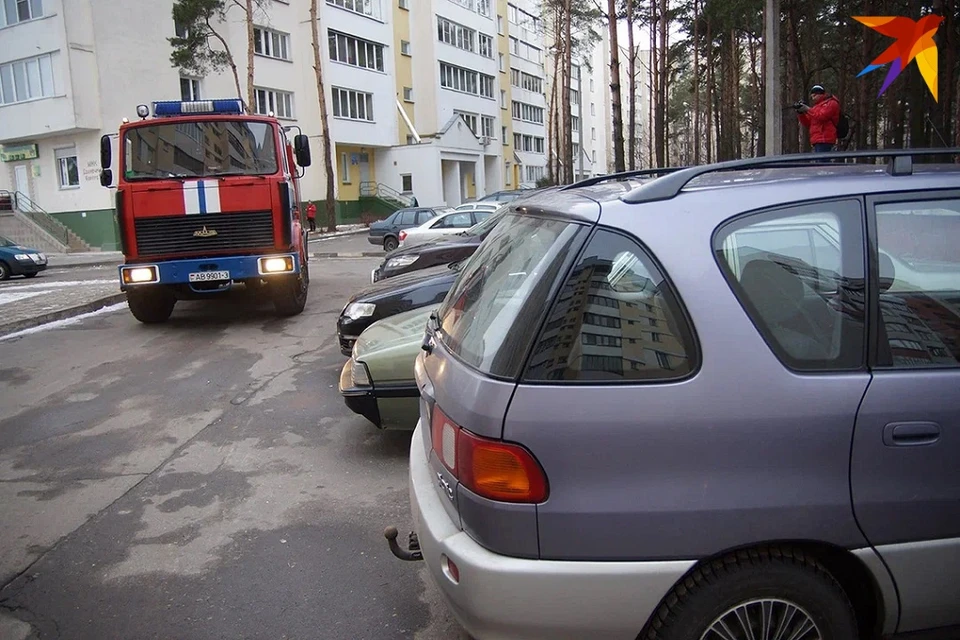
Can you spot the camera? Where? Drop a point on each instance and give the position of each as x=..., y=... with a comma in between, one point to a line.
x=798, y=104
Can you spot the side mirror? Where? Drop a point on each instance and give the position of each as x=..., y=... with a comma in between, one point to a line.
x=106, y=178
x=106, y=152
x=301, y=148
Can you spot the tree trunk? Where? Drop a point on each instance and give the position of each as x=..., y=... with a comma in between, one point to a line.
x=552, y=174
x=696, y=81
x=615, y=102
x=331, y=202
x=567, y=73
x=632, y=73
x=250, y=50
x=709, y=113
x=664, y=102
x=758, y=122
x=232, y=63
x=791, y=92
x=652, y=88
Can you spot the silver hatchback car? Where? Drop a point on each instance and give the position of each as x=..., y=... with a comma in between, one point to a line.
x=723, y=404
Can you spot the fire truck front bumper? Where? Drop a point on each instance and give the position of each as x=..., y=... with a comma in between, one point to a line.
x=204, y=274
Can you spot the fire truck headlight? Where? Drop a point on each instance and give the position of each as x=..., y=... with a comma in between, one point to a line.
x=278, y=264
x=139, y=275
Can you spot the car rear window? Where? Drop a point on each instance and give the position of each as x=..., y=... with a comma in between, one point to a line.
x=491, y=315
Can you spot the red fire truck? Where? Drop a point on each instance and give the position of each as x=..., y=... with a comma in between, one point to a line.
x=208, y=196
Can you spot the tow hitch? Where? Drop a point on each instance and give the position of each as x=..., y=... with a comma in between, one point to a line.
x=391, y=533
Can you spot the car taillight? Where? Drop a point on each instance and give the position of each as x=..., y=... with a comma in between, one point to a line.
x=490, y=468
x=403, y=236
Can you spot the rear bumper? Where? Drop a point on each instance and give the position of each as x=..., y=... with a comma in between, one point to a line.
x=504, y=597
x=239, y=267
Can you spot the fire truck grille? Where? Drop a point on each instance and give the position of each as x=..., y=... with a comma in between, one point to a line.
x=207, y=232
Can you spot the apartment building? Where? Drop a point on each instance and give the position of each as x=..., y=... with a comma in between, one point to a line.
x=443, y=100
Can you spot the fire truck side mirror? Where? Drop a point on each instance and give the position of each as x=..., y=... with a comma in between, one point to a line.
x=106, y=178
x=106, y=152
x=301, y=148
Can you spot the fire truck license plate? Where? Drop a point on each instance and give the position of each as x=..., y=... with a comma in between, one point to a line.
x=208, y=276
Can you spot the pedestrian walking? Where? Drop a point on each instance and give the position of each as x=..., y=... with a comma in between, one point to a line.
x=312, y=216
x=820, y=119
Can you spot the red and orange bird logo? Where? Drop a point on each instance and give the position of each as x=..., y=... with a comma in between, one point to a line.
x=914, y=41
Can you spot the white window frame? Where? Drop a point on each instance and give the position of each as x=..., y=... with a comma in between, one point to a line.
x=502, y=62
x=404, y=4
x=36, y=74
x=487, y=125
x=593, y=108
x=470, y=118
x=486, y=86
x=485, y=45
x=503, y=99
x=269, y=41
x=483, y=8
x=341, y=45
x=504, y=136
x=459, y=79
x=195, y=92
x=62, y=156
x=351, y=99
x=499, y=25
x=408, y=94
x=508, y=178
x=368, y=8
x=34, y=9
x=344, y=168
x=405, y=48
x=528, y=112
x=281, y=103
x=406, y=176
x=456, y=34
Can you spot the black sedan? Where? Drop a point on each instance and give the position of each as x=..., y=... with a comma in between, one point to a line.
x=442, y=250
x=393, y=296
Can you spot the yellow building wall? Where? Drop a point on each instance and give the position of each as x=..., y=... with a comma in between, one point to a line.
x=506, y=113
x=348, y=173
x=404, y=69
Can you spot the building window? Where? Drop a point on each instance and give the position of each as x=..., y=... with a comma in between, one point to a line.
x=28, y=79
x=591, y=85
x=355, y=51
x=593, y=133
x=405, y=47
x=512, y=14
x=189, y=89
x=456, y=35
x=67, y=167
x=518, y=141
x=344, y=169
x=483, y=8
x=272, y=44
x=406, y=183
x=594, y=159
x=15, y=11
x=502, y=63
x=534, y=173
x=408, y=94
x=523, y=142
x=369, y=8
x=486, y=45
x=470, y=118
x=526, y=50
x=574, y=96
x=486, y=126
x=486, y=86
x=503, y=99
x=506, y=171
x=593, y=109
x=514, y=77
x=352, y=105
x=575, y=123
x=500, y=27
x=526, y=81
x=503, y=136
x=528, y=112
x=404, y=4
x=279, y=102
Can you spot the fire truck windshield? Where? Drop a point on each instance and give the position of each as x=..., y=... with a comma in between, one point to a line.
x=200, y=149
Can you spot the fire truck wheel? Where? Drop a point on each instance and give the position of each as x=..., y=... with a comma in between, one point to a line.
x=290, y=293
x=151, y=306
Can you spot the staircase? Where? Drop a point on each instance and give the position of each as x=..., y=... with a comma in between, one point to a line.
x=385, y=194
x=24, y=222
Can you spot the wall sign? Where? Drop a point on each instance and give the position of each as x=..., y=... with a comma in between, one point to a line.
x=13, y=152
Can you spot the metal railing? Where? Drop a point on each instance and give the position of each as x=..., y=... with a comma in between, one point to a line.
x=32, y=211
x=376, y=190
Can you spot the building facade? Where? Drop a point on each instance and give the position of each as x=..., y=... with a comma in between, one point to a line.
x=442, y=100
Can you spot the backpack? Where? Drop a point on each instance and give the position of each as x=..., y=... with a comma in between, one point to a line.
x=843, y=125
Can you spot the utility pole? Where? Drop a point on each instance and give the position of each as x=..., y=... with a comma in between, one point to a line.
x=773, y=125
x=580, y=115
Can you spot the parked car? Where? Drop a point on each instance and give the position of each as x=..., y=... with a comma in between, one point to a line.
x=377, y=381
x=392, y=296
x=442, y=250
x=505, y=196
x=17, y=260
x=447, y=224
x=683, y=412
x=386, y=232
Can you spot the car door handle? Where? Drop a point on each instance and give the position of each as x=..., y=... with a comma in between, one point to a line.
x=910, y=434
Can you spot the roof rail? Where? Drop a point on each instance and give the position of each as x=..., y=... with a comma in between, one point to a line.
x=652, y=171
x=670, y=185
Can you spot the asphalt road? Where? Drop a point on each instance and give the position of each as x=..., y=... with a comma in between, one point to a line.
x=202, y=479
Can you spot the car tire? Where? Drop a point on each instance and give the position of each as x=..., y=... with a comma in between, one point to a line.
x=4, y=271
x=290, y=292
x=781, y=577
x=390, y=244
x=151, y=306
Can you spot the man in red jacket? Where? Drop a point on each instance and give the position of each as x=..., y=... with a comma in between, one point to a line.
x=821, y=119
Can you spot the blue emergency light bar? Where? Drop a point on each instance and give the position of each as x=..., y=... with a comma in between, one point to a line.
x=167, y=108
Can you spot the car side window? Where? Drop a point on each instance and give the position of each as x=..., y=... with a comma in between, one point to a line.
x=919, y=300
x=799, y=274
x=480, y=216
x=616, y=318
x=408, y=217
x=423, y=215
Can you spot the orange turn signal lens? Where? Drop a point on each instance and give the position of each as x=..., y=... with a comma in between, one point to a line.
x=499, y=470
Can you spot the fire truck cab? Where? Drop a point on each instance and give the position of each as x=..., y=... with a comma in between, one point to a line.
x=208, y=196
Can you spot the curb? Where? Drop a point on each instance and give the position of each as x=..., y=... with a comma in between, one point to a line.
x=338, y=234
x=62, y=314
x=355, y=254
x=73, y=265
